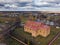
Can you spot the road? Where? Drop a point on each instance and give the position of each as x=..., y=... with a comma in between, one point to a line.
x=54, y=38
x=18, y=40
x=8, y=29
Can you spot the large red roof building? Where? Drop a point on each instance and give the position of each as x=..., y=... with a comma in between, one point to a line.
x=37, y=28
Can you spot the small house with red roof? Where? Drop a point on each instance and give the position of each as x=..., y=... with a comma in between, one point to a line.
x=37, y=28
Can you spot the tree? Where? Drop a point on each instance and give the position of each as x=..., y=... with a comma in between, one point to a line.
x=18, y=22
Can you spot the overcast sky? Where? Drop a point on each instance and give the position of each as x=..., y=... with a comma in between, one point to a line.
x=29, y=5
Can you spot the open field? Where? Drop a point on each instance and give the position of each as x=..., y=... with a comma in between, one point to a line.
x=11, y=41
x=57, y=42
x=26, y=37
x=19, y=32
x=40, y=40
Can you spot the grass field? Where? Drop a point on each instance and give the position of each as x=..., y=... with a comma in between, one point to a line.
x=57, y=42
x=11, y=41
x=40, y=40
x=19, y=32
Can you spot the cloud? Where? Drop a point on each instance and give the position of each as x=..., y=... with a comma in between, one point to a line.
x=25, y=0
x=40, y=3
x=29, y=4
x=12, y=1
x=8, y=5
x=7, y=1
x=46, y=3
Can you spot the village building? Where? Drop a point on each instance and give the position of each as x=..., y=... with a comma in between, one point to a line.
x=37, y=28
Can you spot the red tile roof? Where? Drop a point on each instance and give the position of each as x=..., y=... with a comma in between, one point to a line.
x=36, y=25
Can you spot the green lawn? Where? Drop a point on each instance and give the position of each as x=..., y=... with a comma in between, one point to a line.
x=40, y=40
x=57, y=42
x=19, y=32
x=24, y=20
x=11, y=41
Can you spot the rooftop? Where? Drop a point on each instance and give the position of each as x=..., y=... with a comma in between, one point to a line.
x=36, y=25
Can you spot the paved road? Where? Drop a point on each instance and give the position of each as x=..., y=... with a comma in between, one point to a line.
x=10, y=28
x=18, y=40
x=58, y=34
x=2, y=44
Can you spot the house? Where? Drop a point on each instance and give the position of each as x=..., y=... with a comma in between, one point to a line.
x=37, y=28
